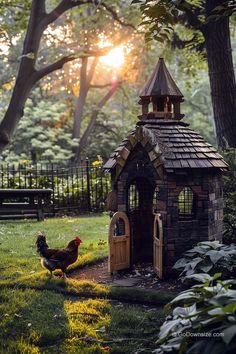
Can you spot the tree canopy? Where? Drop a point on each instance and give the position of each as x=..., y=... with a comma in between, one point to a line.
x=201, y=25
x=74, y=93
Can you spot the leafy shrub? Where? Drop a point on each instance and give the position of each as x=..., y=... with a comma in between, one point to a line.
x=229, y=235
x=208, y=257
x=205, y=320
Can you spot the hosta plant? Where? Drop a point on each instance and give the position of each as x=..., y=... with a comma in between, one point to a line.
x=208, y=257
x=203, y=320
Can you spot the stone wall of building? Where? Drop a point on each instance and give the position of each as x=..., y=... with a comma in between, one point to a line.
x=215, y=208
x=181, y=233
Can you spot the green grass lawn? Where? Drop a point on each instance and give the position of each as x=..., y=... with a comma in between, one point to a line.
x=43, y=315
x=17, y=242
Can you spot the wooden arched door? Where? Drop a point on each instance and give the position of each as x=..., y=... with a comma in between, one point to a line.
x=119, y=242
x=158, y=246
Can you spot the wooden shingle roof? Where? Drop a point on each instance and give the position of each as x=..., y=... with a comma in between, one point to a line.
x=172, y=143
x=160, y=83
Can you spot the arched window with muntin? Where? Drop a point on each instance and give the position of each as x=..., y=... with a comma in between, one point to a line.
x=186, y=202
x=133, y=197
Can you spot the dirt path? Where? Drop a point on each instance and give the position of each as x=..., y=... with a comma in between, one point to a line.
x=141, y=276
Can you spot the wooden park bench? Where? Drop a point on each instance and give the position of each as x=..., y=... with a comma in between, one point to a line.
x=25, y=203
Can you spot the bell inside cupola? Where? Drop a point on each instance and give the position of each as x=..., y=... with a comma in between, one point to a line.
x=161, y=97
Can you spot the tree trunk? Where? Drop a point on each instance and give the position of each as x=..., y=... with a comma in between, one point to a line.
x=222, y=77
x=85, y=81
x=15, y=111
x=26, y=75
x=80, y=102
x=94, y=115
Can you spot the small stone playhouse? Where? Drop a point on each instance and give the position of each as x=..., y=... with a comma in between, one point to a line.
x=166, y=184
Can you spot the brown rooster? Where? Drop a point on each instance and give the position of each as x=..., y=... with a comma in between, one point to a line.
x=52, y=258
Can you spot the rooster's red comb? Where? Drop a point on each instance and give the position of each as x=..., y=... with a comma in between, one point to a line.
x=77, y=238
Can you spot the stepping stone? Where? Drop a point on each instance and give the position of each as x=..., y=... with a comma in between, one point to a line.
x=126, y=282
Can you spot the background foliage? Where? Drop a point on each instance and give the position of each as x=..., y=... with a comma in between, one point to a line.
x=45, y=132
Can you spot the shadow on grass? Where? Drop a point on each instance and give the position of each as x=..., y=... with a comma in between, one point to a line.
x=42, y=315
x=46, y=321
x=90, y=289
x=134, y=329
x=31, y=319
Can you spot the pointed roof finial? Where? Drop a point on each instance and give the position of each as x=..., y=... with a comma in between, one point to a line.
x=160, y=83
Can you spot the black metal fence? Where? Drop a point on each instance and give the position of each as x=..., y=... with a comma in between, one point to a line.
x=75, y=188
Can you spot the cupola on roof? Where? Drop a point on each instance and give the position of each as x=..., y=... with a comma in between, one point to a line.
x=160, y=83
x=163, y=93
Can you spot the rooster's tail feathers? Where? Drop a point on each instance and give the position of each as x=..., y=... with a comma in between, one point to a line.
x=41, y=242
